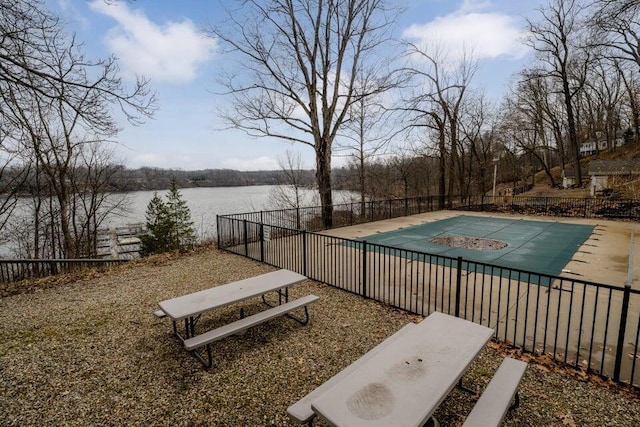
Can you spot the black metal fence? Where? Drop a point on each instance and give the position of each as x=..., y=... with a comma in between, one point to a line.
x=590, y=326
x=309, y=218
x=14, y=270
x=618, y=209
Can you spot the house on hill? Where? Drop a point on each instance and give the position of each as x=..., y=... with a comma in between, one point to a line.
x=602, y=171
x=594, y=146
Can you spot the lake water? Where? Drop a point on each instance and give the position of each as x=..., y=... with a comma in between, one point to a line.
x=206, y=203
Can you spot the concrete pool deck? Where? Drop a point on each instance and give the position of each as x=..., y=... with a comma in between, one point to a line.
x=607, y=256
x=575, y=323
x=568, y=318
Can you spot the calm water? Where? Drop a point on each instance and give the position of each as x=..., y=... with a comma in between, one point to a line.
x=206, y=203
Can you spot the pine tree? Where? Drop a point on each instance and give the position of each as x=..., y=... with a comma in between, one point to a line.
x=157, y=219
x=182, y=234
x=169, y=223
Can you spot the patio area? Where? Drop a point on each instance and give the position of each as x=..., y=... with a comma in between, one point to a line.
x=91, y=352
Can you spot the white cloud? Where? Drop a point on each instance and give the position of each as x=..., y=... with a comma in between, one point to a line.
x=148, y=159
x=169, y=52
x=168, y=160
x=74, y=14
x=488, y=34
x=258, y=163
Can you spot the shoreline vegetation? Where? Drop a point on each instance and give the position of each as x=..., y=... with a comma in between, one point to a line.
x=156, y=179
x=86, y=349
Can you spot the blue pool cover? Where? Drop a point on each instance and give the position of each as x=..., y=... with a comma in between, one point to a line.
x=537, y=246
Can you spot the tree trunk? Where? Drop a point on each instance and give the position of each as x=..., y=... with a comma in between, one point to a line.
x=573, y=136
x=633, y=104
x=452, y=174
x=442, y=182
x=323, y=178
x=65, y=226
x=362, y=184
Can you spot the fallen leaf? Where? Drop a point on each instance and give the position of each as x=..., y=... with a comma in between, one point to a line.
x=567, y=420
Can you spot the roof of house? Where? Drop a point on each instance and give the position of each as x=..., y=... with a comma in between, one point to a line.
x=614, y=167
x=571, y=173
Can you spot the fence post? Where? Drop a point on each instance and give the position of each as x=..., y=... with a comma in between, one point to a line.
x=364, y=268
x=218, y=230
x=351, y=215
x=458, y=286
x=261, y=242
x=304, y=252
x=298, y=218
x=246, y=238
x=586, y=202
x=621, y=331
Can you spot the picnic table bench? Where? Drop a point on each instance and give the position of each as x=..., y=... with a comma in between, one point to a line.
x=403, y=380
x=207, y=338
x=190, y=307
x=496, y=399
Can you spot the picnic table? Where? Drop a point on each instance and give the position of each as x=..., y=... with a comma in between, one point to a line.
x=190, y=307
x=404, y=383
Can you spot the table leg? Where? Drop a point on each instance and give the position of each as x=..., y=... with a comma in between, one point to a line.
x=280, y=295
x=466, y=389
x=189, y=328
x=176, y=333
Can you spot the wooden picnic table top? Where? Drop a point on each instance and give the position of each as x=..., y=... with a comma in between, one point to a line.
x=210, y=299
x=403, y=384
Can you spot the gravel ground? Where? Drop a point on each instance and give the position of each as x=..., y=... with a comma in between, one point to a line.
x=90, y=352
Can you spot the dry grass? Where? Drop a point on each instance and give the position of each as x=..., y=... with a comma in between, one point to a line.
x=89, y=352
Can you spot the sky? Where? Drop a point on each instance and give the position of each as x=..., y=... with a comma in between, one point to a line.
x=167, y=42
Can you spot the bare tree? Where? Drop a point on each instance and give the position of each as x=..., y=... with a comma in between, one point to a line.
x=478, y=131
x=300, y=61
x=94, y=167
x=532, y=120
x=59, y=104
x=556, y=40
x=617, y=25
x=291, y=193
x=440, y=90
x=367, y=131
x=13, y=172
x=631, y=84
x=425, y=113
x=30, y=34
x=604, y=89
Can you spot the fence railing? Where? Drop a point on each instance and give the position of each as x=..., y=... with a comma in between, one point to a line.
x=14, y=270
x=591, y=326
x=588, y=207
x=309, y=218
